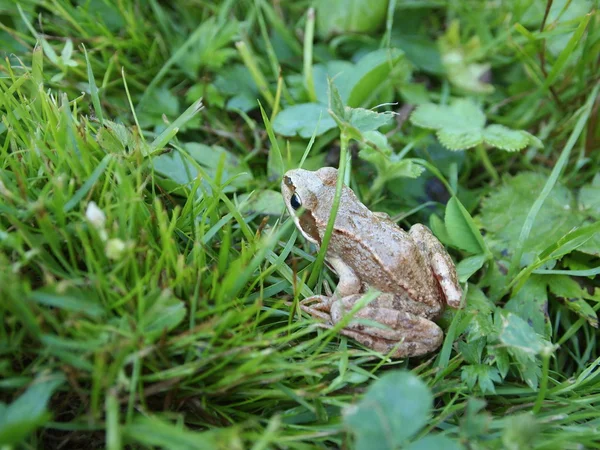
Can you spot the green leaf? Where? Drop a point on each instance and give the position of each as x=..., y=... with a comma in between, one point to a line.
x=365, y=120
x=504, y=212
x=519, y=334
x=462, y=230
x=589, y=198
x=461, y=126
x=265, y=202
x=303, y=120
x=434, y=441
x=531, y=304
x=28, y=412
x=164, y=315
x=459, y=139
x=469, y=266
x=502, y=137
x=350, y=16
x=393, y=409
x=370, y=73
x=567, y=288
x=74, y=300
x=485, y=376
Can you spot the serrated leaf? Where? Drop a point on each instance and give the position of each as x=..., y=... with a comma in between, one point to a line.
x=459, y=139
x=483, y=375
x=461, y=228
x=502, y=137
x=365, y=120
x=393, y=409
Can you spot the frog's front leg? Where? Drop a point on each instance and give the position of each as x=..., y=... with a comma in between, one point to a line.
x=405, y=333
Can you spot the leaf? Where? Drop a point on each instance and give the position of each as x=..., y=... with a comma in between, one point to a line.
x=303, y=120
x=483, y=375
x=566, y=287
x=370, y=72
x=504, y=212
x=461, y=228
x=165, y=314
x=153, y=432
x=460, y=126
x=365, y=120
x=469, y=266
x=589, y=198
x=74, y=300
x=267, y=202
x=518, y=334
x=459, y=139
x=435, y=441
x=392, y=410
x=28, y=412
x=502, y=137
x=531, y=304
x=350, y=16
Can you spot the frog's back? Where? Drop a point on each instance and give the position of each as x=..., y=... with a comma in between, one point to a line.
x=382, y=253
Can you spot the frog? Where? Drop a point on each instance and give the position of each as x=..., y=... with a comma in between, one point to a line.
x=411, y=270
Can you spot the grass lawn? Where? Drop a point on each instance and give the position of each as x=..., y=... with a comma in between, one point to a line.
x=150, y=276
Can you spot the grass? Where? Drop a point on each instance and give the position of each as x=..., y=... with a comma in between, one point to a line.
x=149, y=277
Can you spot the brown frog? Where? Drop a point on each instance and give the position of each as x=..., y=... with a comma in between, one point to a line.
x=412, y=270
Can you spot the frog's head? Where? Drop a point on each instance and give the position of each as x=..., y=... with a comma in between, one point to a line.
x=306, y=194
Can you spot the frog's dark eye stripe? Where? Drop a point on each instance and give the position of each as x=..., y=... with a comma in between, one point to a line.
x=295, y=201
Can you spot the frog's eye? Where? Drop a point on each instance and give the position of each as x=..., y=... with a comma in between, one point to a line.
x=295, y=201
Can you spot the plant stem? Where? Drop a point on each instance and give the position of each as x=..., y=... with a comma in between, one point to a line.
x=344, y=140
x=487, y=163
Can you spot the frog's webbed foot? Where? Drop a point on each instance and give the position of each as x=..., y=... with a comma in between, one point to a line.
x=317, y=306
x=405, y=333
x=441, y=263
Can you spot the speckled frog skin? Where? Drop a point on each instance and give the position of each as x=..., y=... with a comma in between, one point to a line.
x=412, y=270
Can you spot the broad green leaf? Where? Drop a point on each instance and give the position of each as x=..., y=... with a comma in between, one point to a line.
x=266, y=202
x=339, y=71
x=393, y=409
x=589, y=198
x=29, y=411
x=439, y=229
x=504, y=211
x=469, y=266
x=350, y=16
x=462, y=230
x=370, y=72
x=531, y=304
x=519, y=334
x=303, y=120
x=462, y=114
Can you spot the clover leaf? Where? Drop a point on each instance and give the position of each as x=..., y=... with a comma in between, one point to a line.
x=461, y=126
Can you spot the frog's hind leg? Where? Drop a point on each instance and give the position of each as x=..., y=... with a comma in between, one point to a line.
x=407, y=333
x=442, y=265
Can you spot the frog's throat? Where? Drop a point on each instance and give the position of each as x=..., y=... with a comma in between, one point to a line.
x=308, y=226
